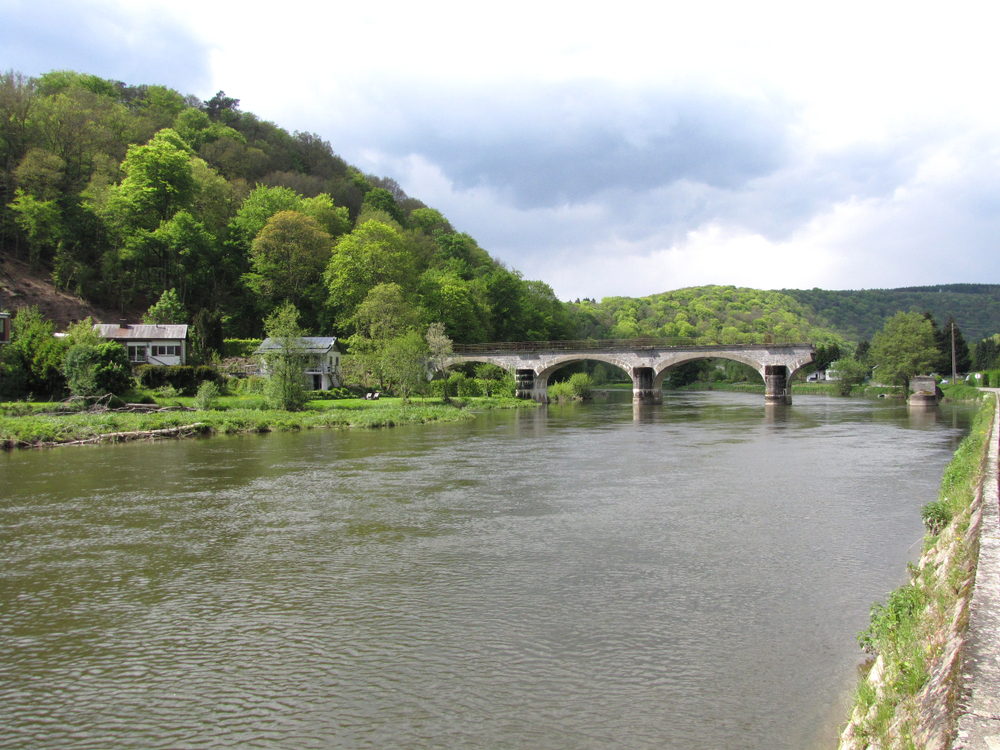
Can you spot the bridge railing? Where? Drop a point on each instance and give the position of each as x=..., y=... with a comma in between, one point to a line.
x=607, y=344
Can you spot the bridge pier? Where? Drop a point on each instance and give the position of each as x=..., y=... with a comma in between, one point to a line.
x=777, y=389
x=527, y=385
x=643, y=391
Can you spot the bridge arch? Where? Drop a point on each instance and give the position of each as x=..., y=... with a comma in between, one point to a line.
x=557, y=363
x=664, y=366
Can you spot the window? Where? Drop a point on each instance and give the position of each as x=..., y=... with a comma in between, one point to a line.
x=137, y=352
x=158, y=350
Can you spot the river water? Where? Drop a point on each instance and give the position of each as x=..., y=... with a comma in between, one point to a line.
x=691, y=575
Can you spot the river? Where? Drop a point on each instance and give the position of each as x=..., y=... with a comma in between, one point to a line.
x=691, y=575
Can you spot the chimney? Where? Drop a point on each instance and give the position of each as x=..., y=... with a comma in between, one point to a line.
x=123, y=323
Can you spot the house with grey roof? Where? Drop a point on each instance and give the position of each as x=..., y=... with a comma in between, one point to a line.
x=148, y=344
x=322, y=355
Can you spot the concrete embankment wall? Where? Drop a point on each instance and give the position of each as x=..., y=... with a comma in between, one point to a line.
x=894, y=709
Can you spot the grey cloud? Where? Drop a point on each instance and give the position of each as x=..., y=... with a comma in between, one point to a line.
x=564, y=143
x=103, y=39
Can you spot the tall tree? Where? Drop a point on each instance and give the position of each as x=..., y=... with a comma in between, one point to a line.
x=903, y=348
x=286, y=362
x=288, y=258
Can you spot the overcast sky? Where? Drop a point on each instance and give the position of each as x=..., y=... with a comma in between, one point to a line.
x=613, y=150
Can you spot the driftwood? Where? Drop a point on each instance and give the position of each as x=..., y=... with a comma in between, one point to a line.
x=121, y=437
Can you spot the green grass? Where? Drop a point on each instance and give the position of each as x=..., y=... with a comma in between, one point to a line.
x=961, y=392
x=239, y=416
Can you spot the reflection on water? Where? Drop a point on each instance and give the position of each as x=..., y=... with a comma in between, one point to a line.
x=586, y=576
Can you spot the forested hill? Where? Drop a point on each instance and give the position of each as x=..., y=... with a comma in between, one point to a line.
x=119, y=193
x=714, y=314
x=859, y=314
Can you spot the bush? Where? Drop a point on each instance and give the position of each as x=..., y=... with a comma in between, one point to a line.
x=96, y=370
x=561, y=392
x=581, y=384
x=208, y=394
x=936, y=515
x=251, y=386
x=239, y=347
x=184, y=379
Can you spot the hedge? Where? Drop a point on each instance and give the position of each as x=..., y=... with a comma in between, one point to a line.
x=184, y=379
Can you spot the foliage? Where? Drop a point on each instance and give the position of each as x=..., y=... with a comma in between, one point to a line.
x=240, y=347
x=285, y=365
x=168, y=310
x=183, y=379
x=32, y=362
x=581, y=384
x=708, y=314
x=208, y=394
x=404, y=362
x=859, y=314
x=97, y=369
x=850, y=373
x=903, y=348
x=288, y=257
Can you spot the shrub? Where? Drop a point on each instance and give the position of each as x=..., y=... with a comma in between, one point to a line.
x=185, y=379
x=561, y=392
x=581, y=384
x=95, y=370
x=936, y=515
x=240, y=347
x=208, y=394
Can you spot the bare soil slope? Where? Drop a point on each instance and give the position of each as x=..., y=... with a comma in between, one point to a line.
x=22, y=287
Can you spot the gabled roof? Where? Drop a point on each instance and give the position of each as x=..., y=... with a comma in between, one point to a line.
x=141, y=332
x=311, y=345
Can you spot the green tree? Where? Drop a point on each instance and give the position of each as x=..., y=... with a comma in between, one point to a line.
x=903, y=348
x=288, y=257
x=404, y=362
x=381, y=199
x=168, y=310
x=373, y=254
x=97, y=369
x=286, y=362
x=258, y=208
x=850, y=373
x=158, y=183
x=40, y=220
x=32, y=362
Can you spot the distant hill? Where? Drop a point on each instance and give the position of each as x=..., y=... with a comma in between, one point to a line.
x=859, y=314
x=724, y=314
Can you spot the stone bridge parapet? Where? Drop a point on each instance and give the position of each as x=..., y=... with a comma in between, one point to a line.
x=647, y=363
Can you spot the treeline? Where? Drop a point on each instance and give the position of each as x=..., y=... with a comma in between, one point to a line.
x=127, y=192
x=859, y=314
x=716, y=314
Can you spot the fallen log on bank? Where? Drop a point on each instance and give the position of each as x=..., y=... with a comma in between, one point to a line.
x=122, y=437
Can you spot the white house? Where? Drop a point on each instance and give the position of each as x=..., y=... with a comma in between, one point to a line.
x=322, y=360
x=160, y=344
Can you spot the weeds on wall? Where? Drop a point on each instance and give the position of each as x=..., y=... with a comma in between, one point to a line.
x=913, y=635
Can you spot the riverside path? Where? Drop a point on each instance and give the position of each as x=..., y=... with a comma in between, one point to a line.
x=647, y=361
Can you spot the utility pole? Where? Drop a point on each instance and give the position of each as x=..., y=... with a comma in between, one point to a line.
x=954, y=360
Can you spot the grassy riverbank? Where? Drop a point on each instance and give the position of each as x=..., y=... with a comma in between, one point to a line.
x=907, y=697
x=39, y=428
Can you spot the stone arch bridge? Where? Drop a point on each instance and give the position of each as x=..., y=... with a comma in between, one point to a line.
x=647, y=361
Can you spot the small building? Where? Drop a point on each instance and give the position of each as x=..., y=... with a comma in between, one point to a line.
x=822, y=376
x=148, y=344
x=4, y=328
x=322, y=360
